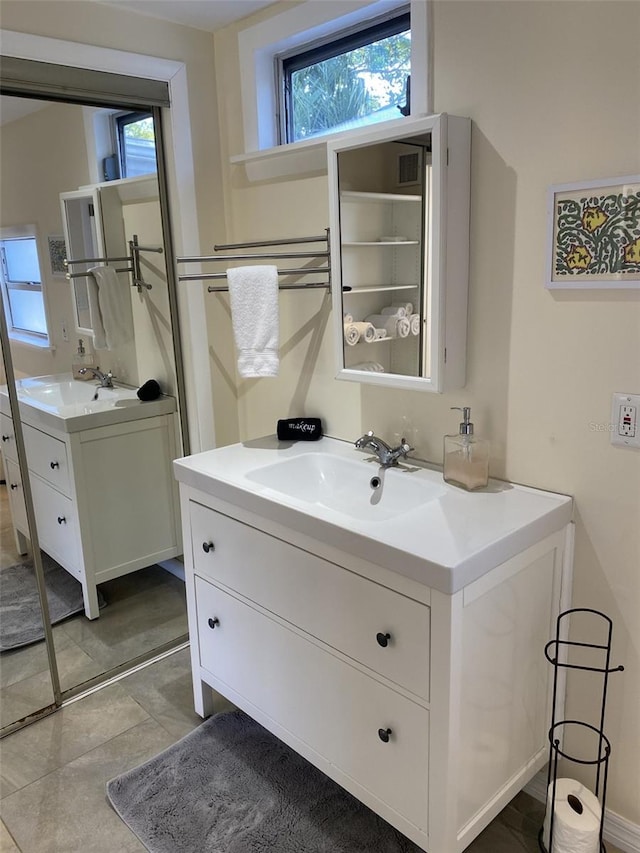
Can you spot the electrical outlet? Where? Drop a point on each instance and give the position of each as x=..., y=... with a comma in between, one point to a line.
x=625, y=425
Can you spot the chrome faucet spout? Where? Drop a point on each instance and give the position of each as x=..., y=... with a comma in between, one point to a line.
x=387, y=456
x=105, y=379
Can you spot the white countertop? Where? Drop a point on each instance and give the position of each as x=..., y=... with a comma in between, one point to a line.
x=445, y=543
x=75, y=410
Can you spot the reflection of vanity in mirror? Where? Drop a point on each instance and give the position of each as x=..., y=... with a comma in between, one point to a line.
x=99, y=469
x=400, y=227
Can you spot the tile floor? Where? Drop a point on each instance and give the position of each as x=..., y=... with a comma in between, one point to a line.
x=145, y=609
x=53, y=773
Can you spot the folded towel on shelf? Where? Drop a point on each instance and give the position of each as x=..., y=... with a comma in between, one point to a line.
x=414, y=321
x=355, y=331
x=253, y=295
x=115, y=326
x=395, y=327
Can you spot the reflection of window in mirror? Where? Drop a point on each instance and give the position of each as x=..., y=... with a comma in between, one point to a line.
x=123, y=142
x=21, y=280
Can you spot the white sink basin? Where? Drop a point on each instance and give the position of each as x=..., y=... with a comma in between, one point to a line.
x=70, y=392
x=64, y=403
x=348, y=486
x=415, y=523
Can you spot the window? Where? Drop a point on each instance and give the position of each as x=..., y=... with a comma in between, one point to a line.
x=136, y=144
x=353, y=80
x=22, y=286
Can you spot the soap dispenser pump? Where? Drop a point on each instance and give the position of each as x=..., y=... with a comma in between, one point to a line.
x=466, y=457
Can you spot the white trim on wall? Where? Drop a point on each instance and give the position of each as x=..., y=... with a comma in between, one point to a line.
x=181, y=170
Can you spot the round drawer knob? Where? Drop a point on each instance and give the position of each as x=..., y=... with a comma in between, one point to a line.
x=54, y=465
x=62, y=519
x=14, y=486
x=384, y=735
x=213, y=622
x=208, y=546
x=383, y=639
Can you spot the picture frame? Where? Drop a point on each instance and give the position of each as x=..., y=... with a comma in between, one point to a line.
x=593, y=234
x=57, y=254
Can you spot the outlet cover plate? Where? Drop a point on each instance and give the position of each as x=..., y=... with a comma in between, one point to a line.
x=625, y=420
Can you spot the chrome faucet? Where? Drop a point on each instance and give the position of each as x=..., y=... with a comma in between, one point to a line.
x=105, y=379
x=387, y=456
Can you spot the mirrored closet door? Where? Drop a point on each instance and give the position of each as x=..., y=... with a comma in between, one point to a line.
x=83, y=209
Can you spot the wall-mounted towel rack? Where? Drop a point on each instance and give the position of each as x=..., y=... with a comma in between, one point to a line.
x=266, y=256
x=133, y=259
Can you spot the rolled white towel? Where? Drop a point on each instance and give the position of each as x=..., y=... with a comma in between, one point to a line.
x=388, y=323
x=351, y=334
x=394, y=311
x=408, y=307
x=414, y=320
x=404, y=327
x=366, y=331
x=347, y=318
x=370, y=366
x=380, y=334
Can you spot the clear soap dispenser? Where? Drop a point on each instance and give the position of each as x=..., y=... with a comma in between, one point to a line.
x=466, y=458
x=81, y=359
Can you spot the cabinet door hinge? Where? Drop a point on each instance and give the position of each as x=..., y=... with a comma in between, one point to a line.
x=91, y=210
x=445, y=355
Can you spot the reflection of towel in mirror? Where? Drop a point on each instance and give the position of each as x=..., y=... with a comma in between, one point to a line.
x=111, y=322
x=253, y=294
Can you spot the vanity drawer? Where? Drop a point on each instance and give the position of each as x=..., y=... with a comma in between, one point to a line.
x=57, y=531
x=328, y=704
x=376, y=626
x=8, y=439
x=47, y=458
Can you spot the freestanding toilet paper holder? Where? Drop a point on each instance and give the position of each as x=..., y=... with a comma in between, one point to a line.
x=556, y=652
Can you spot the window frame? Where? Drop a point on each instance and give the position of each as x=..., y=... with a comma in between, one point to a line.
x=120, y=121
x=16, y=333
x=336, y=44
x=258, y=45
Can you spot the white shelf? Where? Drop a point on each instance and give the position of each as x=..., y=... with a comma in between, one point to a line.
x=380, y=288
x=353, y=195
x=382, y=243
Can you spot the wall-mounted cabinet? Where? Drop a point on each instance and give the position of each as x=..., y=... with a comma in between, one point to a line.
x=399, y=215
x=93, y=225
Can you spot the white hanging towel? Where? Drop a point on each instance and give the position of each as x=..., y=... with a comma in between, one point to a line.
x=114, y=308
x=253, y=294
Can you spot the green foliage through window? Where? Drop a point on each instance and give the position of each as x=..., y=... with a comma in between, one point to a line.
x=356, y=80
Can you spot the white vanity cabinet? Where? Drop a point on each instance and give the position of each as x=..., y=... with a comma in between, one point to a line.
x=104, y=498
x=431, y=707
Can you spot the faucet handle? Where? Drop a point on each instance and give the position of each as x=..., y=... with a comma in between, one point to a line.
x=406, y=447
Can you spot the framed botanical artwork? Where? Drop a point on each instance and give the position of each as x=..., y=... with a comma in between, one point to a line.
x=594, y=234
x=57, y=254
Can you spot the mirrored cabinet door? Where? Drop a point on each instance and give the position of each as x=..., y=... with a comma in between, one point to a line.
x=400, y=232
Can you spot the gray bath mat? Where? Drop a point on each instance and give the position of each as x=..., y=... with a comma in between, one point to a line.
x=20, y=615
x=232, y=787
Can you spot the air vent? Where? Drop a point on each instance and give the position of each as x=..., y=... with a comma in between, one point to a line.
x=409, y=169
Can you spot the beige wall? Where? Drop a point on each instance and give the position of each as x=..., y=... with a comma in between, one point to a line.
x=553, y=90
x=549, y=106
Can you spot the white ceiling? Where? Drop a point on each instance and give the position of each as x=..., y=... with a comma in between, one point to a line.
x=207, y=15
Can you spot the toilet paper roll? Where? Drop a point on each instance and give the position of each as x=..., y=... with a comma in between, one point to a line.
x=576, y=818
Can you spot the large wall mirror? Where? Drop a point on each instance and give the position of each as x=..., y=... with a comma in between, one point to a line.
x=400, y=237
x=98, y=458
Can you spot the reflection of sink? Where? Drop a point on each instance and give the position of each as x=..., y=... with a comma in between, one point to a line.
x=344, y=485
x=61, y=402
x=70, y=392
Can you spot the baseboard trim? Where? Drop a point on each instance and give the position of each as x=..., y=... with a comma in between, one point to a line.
x=617, y=830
